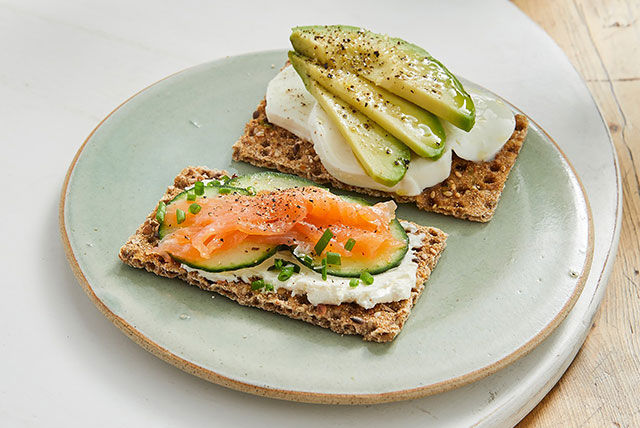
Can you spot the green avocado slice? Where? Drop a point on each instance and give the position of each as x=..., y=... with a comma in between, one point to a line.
x=383, y=157
x=400, y=67
x=414, y=126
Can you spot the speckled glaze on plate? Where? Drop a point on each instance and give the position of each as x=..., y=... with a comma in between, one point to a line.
x=499, y=289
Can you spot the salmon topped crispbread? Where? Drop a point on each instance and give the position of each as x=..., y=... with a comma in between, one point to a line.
x=178, y=241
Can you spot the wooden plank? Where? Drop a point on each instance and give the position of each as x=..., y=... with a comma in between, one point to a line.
x=602, y=40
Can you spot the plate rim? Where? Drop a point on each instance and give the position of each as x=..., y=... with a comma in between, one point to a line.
x=306, y=396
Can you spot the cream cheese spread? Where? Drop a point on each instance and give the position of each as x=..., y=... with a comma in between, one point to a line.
x=392, y=285
x=292, y=107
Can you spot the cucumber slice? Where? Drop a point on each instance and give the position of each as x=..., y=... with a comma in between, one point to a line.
x=246, y=254
x=270, y=181
x=394, y=64
x=353, y=268
x=210, y=191
x=251, y=254
x=414, y=126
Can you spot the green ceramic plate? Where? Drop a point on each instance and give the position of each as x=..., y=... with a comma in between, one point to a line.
x=499, y=289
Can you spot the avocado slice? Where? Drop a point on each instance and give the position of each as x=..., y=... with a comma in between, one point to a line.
x=400, y=67
x=414, y=126
x=382, y=156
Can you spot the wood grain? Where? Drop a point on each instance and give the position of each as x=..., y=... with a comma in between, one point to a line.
x=602, y=385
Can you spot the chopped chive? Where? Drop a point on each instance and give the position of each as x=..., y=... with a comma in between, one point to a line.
x=323, y=242
x=198, y=187
x=349, y=244
x=268, y=287
x=224, y=179
x=191, y=195
x=161, y=211
x=296, y=268
x=180, y=215
x=307, y=260
x=278, y=264
x=366, y=277
x=333, y=258
x=224, y=190
x=212, y=183
x=251, y=190
x=323, y=270
x=257, y=284
x=194, y=208
x=354, y=282
x=285, y=273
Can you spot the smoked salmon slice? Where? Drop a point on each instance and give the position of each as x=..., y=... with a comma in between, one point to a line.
x=294, y=217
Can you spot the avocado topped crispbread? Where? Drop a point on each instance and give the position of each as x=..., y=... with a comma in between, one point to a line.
x=471, y=191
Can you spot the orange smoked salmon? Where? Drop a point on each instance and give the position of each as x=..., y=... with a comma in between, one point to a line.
x=295, y=217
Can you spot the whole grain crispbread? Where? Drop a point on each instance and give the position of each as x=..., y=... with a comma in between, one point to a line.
x=471, y=191
x=382, y=323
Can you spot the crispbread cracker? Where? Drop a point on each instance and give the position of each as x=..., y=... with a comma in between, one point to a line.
x=471, y=191
x=379, y=324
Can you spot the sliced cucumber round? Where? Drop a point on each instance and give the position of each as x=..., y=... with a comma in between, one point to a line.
x=210, y=191
x=270, y=181
x=354, y=267
x=245, y=254
x=251, y=254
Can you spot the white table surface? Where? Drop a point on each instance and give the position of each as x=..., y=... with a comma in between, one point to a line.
x=66, y=65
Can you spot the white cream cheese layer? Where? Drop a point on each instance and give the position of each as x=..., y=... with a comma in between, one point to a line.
x=295, y=109
x=390, y=286
x=494, y=125
x=289, y=103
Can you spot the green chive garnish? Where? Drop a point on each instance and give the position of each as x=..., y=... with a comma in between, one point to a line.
x=191, y=195
x=161, y=211
x=251, y=190
x=323, y=241
x=224, y=179
x=278, y=263
x=268, y=287
x=323, y=270
x=285, y=273
x=307, y=260
x=224, y=190
x=198, y=187
x=296, y=268
x=180, y=215
x=354, y=282
x=366, y=277
x=194, y=208
x=257, y=284
x=349, y=244
x=333, y=258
